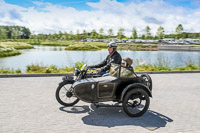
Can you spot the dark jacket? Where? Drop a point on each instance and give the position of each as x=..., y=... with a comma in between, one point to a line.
x=111, y=58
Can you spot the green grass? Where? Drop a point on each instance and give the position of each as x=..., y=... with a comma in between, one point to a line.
x=10, y=71
x=83, y=47
x=42, y=42
x=87, y=46
x=33, y=69
x=135, y=47
x=56, y=43
x=5, y=52
x=16, y=45
x=10, y=48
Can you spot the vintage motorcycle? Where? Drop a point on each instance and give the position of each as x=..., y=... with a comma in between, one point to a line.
x=122, y=86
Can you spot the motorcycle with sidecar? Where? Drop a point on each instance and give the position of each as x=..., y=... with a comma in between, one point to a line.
x=122, y=86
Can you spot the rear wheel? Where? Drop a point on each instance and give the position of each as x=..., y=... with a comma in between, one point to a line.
x=65, y=95
x=136, y=102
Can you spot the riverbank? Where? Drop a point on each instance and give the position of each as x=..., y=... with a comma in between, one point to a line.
x=16, y=45
x=94, y=46
x=138, y=47
x=5, y=52
x=85, y=46
x=39, y=69
x=11, y=48
x=179, y=47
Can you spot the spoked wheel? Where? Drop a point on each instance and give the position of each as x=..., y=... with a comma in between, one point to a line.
x=146, y=79
x=65, y=95
x=136, y=102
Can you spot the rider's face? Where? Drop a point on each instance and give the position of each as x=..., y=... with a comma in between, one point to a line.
x=123, y=64
x=110, y=49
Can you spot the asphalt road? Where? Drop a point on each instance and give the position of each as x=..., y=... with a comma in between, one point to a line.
x=29, y=105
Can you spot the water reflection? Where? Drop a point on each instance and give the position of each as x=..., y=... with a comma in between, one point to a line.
x=58, y=56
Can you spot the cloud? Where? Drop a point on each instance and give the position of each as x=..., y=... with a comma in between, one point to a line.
x=195, y=3
x=14, y=14
x=49, y=18
x=152, y=20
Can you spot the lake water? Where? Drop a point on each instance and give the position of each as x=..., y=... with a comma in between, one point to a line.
x=48, y=55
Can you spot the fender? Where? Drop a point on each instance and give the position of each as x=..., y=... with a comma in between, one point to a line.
x=67, y=81
x=133, y=86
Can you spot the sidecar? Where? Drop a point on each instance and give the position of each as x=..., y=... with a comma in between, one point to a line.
x=122, y=86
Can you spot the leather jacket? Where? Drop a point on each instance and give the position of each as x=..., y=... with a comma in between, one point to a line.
x=115, y=57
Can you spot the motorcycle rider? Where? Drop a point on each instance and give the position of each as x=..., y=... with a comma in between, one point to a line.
x=113, y=57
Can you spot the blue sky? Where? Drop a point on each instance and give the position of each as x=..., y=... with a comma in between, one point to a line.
x=82, y=4
x=50, y=16
x=77, y=4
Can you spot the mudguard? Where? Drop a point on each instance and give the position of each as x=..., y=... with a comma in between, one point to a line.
x=67, y=81
x=133, y=86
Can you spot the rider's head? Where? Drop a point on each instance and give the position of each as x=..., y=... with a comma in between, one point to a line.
x=112, y=47
x=127, y=62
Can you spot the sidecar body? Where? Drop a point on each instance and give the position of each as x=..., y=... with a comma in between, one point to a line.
x=109, y=88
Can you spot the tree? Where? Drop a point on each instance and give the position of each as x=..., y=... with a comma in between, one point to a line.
x=179, y=29
x=93, y=34
x=110, y=33
x=120, y=33
x=101, y=32
x=134, y=33
x=84, y=34
x=71, y=36
x=147, y=33
x=3, y=33
x=25, y=33
x=65, y=36
x=77, y=35
x=160, y=32
x=15, y=34
x=60, y=34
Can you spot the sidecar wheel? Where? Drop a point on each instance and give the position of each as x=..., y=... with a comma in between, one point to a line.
x=146, y=79
x=65, y=95
x=136, y=102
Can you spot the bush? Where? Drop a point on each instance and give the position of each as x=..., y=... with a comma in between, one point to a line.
x=79, y=65
x=18, y=71
x=6, y=71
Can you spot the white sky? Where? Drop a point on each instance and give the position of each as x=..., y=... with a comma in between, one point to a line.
x=49, y=18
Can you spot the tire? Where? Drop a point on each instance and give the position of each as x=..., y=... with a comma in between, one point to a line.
x=65, y=95
x=146, y=79
x=133, y=102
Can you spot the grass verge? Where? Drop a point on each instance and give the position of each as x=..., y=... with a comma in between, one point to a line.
x=36, y=69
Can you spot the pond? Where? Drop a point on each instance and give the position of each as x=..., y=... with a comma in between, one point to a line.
x=55, y=55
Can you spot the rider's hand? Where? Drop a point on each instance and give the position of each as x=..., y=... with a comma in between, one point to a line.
x=98, y=70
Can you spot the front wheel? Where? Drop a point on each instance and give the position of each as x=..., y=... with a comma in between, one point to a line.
x=136, y=102
x=65, y=95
